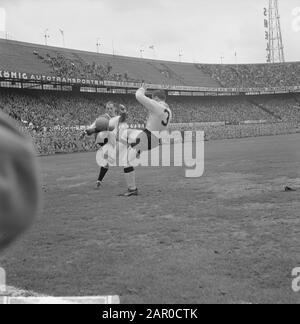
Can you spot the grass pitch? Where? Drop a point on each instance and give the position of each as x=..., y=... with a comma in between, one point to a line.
x=231, y=236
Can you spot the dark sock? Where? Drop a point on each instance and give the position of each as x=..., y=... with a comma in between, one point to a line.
x=102, y=174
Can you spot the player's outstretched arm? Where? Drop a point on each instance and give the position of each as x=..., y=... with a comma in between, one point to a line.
x=123, y=114
x=148, y=103
x=88, y=132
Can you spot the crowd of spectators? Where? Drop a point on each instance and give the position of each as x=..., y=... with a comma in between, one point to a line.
x=215, y=109
x=287, y=108
x=54, y=109
x=254, y=75
x=48, y=110
x=54, y=118
x=62, y=66
x=220, y=132
x=247, y=76
x=231, y=76
x=66, y=141
x=62, y=140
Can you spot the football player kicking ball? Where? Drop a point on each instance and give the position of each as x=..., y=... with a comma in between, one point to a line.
x=159, y=119
x=113, y=119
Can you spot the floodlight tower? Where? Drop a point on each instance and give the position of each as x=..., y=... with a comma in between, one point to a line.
x=275, y=49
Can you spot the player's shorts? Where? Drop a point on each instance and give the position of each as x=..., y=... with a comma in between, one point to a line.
x=146, y=141
x=106, y=155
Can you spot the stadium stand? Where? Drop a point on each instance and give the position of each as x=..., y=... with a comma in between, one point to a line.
x=53, y=118
x=254, y=75
x=217, y=109
x=39, y=59
x=286, y=107
x=50, y=109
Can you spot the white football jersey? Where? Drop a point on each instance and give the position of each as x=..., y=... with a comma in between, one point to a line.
x=112, y=136
x=160, y=114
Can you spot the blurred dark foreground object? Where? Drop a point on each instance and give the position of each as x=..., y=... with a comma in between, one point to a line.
x=19, y=183
x=289, y=189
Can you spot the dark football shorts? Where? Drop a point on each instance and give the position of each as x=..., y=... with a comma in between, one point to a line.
x=146, y=141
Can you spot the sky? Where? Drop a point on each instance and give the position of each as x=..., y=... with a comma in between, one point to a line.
x=201, y=30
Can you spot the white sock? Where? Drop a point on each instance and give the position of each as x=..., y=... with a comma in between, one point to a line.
x=130, y=180
x=132, y=155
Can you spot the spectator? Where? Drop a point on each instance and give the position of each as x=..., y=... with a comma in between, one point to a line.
x=19, y=191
